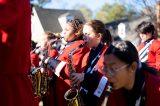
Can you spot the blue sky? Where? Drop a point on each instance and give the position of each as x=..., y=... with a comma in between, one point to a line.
x=69, y=4
x=93, y=5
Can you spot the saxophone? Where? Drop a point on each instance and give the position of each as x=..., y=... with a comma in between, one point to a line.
x=72, y=95
x=44, y=81
x=36, y=81
x=40, y=79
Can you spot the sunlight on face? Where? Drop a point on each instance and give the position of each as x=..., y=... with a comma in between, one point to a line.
x=91, y=36
x=68, y=32
x=120, y=77
x=143, y=37
x=44, y=41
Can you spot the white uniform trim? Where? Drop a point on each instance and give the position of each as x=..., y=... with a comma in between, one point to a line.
x=59, y=68
x=98, y=92
x=143, y=53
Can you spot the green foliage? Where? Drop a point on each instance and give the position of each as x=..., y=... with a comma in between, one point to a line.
x=110, y=13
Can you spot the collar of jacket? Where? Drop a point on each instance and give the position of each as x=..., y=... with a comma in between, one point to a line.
x=148, y=40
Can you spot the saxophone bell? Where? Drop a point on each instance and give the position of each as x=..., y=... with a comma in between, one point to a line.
x=72, y=96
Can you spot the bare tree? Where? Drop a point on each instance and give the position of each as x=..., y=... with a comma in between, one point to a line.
x=149, y=9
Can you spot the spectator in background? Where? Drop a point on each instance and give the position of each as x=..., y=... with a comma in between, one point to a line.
x=149, y=49
x=15, y=45
x=133, y=82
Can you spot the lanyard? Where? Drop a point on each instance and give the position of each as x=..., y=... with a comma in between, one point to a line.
x=94, y=61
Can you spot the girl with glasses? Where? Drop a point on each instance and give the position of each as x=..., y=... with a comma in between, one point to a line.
x=133, y=82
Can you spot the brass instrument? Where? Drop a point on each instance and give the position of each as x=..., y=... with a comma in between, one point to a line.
x=40, y=78
x=36, y=81
x=44, y=81
x=40, y=82
x=72, y=95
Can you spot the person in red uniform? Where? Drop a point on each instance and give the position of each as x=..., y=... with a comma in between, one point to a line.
x=15, y=39
x=44, y=48
x=46, y=45
x=149, y=49
x=133, y=82
x=92, y=81
x=74, y=37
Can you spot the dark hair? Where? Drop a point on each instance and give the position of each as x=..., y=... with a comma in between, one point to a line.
x=145, y=27
x=50, y=35
x=77, y=25
x=33, y=45
x=107, y=38
x=99, y=27
x=124, y=50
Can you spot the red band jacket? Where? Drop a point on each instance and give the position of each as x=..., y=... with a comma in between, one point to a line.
x=151, y=53
x=60, y=69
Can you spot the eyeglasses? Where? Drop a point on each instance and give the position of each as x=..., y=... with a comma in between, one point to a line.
x=113, y=72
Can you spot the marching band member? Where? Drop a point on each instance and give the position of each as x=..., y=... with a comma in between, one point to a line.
x=44, y=46
x=133, y=83
x=74, y=37
x=92, y=81
x=149, y=49
x=15, y=33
